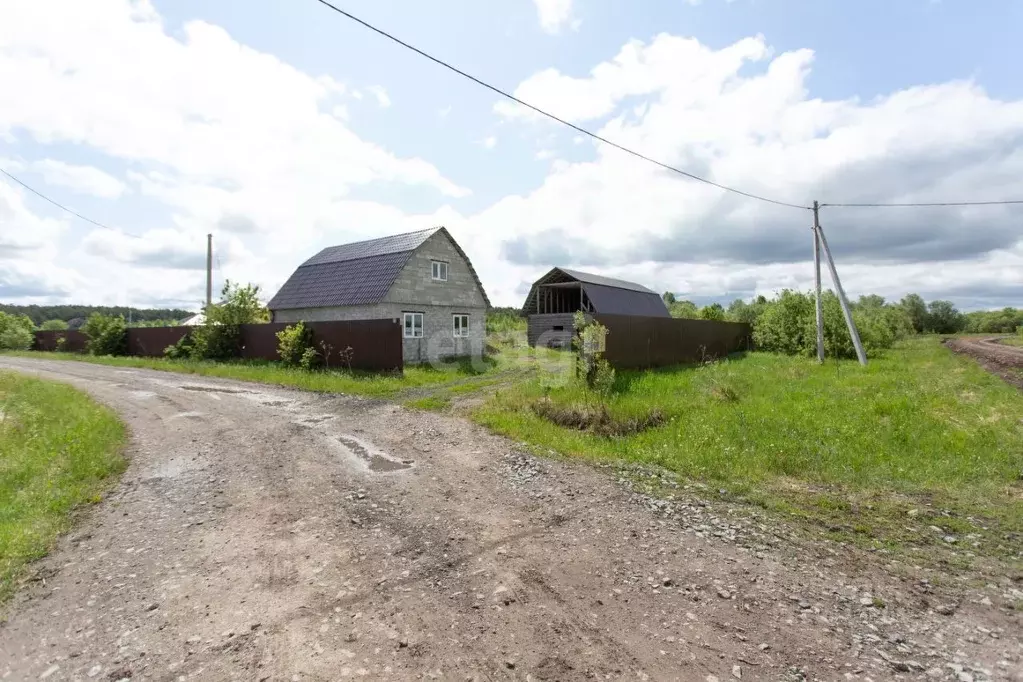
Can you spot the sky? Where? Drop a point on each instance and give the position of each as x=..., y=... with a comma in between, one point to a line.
x=284, y=127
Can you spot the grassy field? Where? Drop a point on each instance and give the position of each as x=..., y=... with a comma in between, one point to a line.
x=58, y=449
x=853, y=449
x=1013, y=340
x=378, y=385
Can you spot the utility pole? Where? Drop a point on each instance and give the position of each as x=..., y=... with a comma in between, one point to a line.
x=209, y=270
x=860, y=354
x=817, y=281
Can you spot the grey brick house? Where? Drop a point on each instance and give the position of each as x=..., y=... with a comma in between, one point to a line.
x=423, y=280
x=554, y=299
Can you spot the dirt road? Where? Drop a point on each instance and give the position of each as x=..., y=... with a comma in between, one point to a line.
x=266, y=534
x=1001, y=359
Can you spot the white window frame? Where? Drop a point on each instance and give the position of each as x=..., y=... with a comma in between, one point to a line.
x=460, y=325
x=439, y=271
x=405, y=327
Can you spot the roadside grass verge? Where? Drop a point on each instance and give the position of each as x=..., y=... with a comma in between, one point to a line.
x=877, y=455
x=370, y=384
x=58, y=450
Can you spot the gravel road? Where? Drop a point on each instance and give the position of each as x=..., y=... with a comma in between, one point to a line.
x=267, y=534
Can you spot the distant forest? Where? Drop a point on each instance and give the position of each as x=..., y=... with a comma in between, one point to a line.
x=42, y=313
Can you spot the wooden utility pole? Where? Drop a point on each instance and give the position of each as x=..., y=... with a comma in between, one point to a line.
x=817, y=280
x=846, y=310
x=209, y=270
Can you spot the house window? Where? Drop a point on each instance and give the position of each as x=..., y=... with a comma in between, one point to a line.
x=413, y=325
x=461, y=325
x=439, y=271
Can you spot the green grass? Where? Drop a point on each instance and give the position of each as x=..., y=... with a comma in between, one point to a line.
x=378, y=385
x=919, y=428
x=58, y=450
x=1013, y=340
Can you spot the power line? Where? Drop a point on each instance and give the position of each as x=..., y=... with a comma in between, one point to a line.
x=551, y=116
x=65, y=208
x=935, y=203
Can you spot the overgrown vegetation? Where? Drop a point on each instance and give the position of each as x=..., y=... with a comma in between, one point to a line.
x=58, y=450
x=918, y=429
x=597, y=419
x=108, y=335
x=53, y=325
x=590, y=340
x=220, y=338
x=295, y=344
x=788, y=324
x=15, y=332
x=911, y=314
x=503, y=320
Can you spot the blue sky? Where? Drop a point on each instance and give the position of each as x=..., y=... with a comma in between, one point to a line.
x=200, y=117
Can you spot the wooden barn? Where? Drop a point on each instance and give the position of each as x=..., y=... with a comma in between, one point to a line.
x=554, y=299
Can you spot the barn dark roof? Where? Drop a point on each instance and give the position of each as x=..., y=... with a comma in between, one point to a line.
x=606, y=294
x=360, y=273
x=590, y=278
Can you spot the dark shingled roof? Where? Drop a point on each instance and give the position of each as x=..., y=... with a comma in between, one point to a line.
x=606, y=294
x=360, y=273
x=590, y=278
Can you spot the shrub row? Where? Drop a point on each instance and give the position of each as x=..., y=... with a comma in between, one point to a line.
x=788, y=324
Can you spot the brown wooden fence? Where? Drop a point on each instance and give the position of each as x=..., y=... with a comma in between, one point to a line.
x=47, y=340
x=638, y=342
x=375, y=344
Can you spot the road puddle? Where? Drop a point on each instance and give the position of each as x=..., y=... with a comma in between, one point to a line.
x=212, y=389
x=374, y=460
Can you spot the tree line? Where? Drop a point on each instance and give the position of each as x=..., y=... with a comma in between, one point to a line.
x=40, y=314
x=787, y=323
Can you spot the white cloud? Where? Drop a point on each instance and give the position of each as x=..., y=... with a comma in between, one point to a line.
x=190, y=112
x=195, y=105
x=30, y=266
x=743, y=117
x=82, y=179
x=555, y=15
x=544, y=154
x=380, y=93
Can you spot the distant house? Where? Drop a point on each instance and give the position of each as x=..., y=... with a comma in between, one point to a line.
x=423, y=280
x=554, y=299
x=197, y=320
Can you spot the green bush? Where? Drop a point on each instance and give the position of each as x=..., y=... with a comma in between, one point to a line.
x=216, y=342
x=782, y=326
x=310, y=359
x=788, y=324
x=53, y=325
x=221, y=337
x=713, y=311
x=292, y=343
x=180, y=350
x=108, y=335
x=16, y=332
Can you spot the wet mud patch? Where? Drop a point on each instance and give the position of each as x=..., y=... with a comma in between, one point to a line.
x=212, y=389
x=597, y=420
x=374, y=460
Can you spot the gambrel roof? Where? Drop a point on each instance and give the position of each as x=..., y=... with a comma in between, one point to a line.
x=606, y=294
x=360, y=273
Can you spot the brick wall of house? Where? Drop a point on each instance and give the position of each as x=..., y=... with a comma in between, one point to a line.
x=414, y=290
